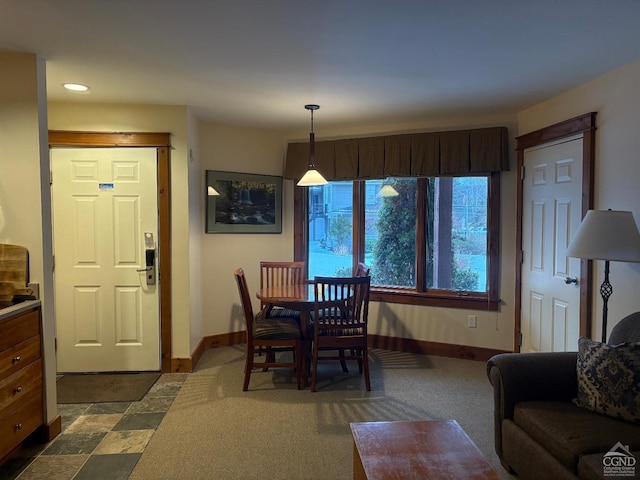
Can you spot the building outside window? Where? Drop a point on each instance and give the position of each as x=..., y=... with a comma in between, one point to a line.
x=330, y=244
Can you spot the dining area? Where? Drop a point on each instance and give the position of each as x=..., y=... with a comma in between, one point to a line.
x=304, y=322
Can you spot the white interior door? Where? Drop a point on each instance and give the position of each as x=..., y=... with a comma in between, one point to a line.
x=105, y=228
x=552, y=199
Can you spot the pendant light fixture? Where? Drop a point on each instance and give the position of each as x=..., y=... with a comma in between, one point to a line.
x=312, y=177
x=387, y=191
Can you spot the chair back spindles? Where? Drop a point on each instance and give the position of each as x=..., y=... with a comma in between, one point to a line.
x=281, y=273
x=289, y=275
x=278, y=274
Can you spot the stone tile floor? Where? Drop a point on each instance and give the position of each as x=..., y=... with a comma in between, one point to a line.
x=99, y=441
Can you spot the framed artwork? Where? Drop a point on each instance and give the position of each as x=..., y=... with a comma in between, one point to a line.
x=243, y=203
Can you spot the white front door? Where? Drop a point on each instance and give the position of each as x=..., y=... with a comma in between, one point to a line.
x=105, y=219
x=552, y=199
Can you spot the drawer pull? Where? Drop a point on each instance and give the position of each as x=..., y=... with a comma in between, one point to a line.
x=16, y=359
x=17, y=389
x=18, y=426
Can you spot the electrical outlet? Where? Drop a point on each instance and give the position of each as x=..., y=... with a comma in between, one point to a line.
x=473, y=321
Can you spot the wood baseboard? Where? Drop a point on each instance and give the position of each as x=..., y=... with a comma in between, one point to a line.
x=182, y=365
x=433, y=348
x=375, y=341
x=51, y=430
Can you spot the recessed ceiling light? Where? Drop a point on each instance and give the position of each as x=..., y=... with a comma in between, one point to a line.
x=76, y=87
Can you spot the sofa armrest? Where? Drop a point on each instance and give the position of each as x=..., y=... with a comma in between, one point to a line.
x=533, y=376
x=518, y=377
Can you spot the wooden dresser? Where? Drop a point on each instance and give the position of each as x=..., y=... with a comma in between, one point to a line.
x=21, y=385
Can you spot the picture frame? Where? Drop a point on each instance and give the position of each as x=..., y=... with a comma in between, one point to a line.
x=243, y=203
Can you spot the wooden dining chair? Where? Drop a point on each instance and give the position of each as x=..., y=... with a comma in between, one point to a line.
x=340, y=318
x=275, y=335
x=363, y=270
x=275, y=274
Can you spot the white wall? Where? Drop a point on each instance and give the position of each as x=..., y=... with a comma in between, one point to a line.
x=615, y=98
x=196, y=185
x=25, y=209
x=146, y=118
x=247, y=150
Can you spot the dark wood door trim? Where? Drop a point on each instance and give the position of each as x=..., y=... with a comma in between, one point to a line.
x=62, y=138
x=585, y=124
x=162, y=143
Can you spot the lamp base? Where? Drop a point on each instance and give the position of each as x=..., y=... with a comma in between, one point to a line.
x=605, y=290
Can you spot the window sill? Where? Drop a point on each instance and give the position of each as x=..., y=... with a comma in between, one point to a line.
x=440, y=298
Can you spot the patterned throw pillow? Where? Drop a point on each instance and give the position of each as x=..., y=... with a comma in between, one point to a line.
x=609, y=379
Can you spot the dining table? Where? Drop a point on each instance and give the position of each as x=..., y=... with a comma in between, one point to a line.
x=299, y=296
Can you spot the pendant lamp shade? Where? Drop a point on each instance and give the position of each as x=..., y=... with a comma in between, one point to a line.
x=313, y=176
x=387, y=191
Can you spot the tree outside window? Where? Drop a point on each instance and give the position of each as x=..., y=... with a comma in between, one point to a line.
x=393, y=247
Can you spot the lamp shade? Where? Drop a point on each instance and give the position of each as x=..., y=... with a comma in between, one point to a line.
x=607, y=235
x=311, y=178
x=212, y=192
x=388, y=191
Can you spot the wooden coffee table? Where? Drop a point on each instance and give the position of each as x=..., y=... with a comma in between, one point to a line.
x=431, y=449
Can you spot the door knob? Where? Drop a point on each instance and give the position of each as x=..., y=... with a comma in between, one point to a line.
x=570, y=280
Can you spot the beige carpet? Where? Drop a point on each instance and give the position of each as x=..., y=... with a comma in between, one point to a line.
x=104, y=387
x=213, y=430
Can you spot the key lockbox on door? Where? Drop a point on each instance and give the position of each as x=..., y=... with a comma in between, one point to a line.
x=151, y=267
x=150, y=259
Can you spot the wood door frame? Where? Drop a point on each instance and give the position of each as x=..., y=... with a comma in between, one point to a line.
x=162, y=143
x=586, y=125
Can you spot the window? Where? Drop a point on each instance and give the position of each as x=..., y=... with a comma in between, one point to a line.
x=390, y=232
x=330, y=250
x=430, y=241
x=457, y=234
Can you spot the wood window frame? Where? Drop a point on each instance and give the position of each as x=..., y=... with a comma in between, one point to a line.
x=162, y=143
x=489, y=301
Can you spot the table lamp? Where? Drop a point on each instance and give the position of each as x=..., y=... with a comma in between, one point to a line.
x=609, y=235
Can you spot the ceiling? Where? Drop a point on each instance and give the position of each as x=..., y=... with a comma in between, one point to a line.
x=365, y=62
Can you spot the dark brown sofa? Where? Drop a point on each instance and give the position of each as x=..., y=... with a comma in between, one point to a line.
x=539, y=432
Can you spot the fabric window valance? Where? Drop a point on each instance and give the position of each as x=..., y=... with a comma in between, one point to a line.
x=431, y=154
